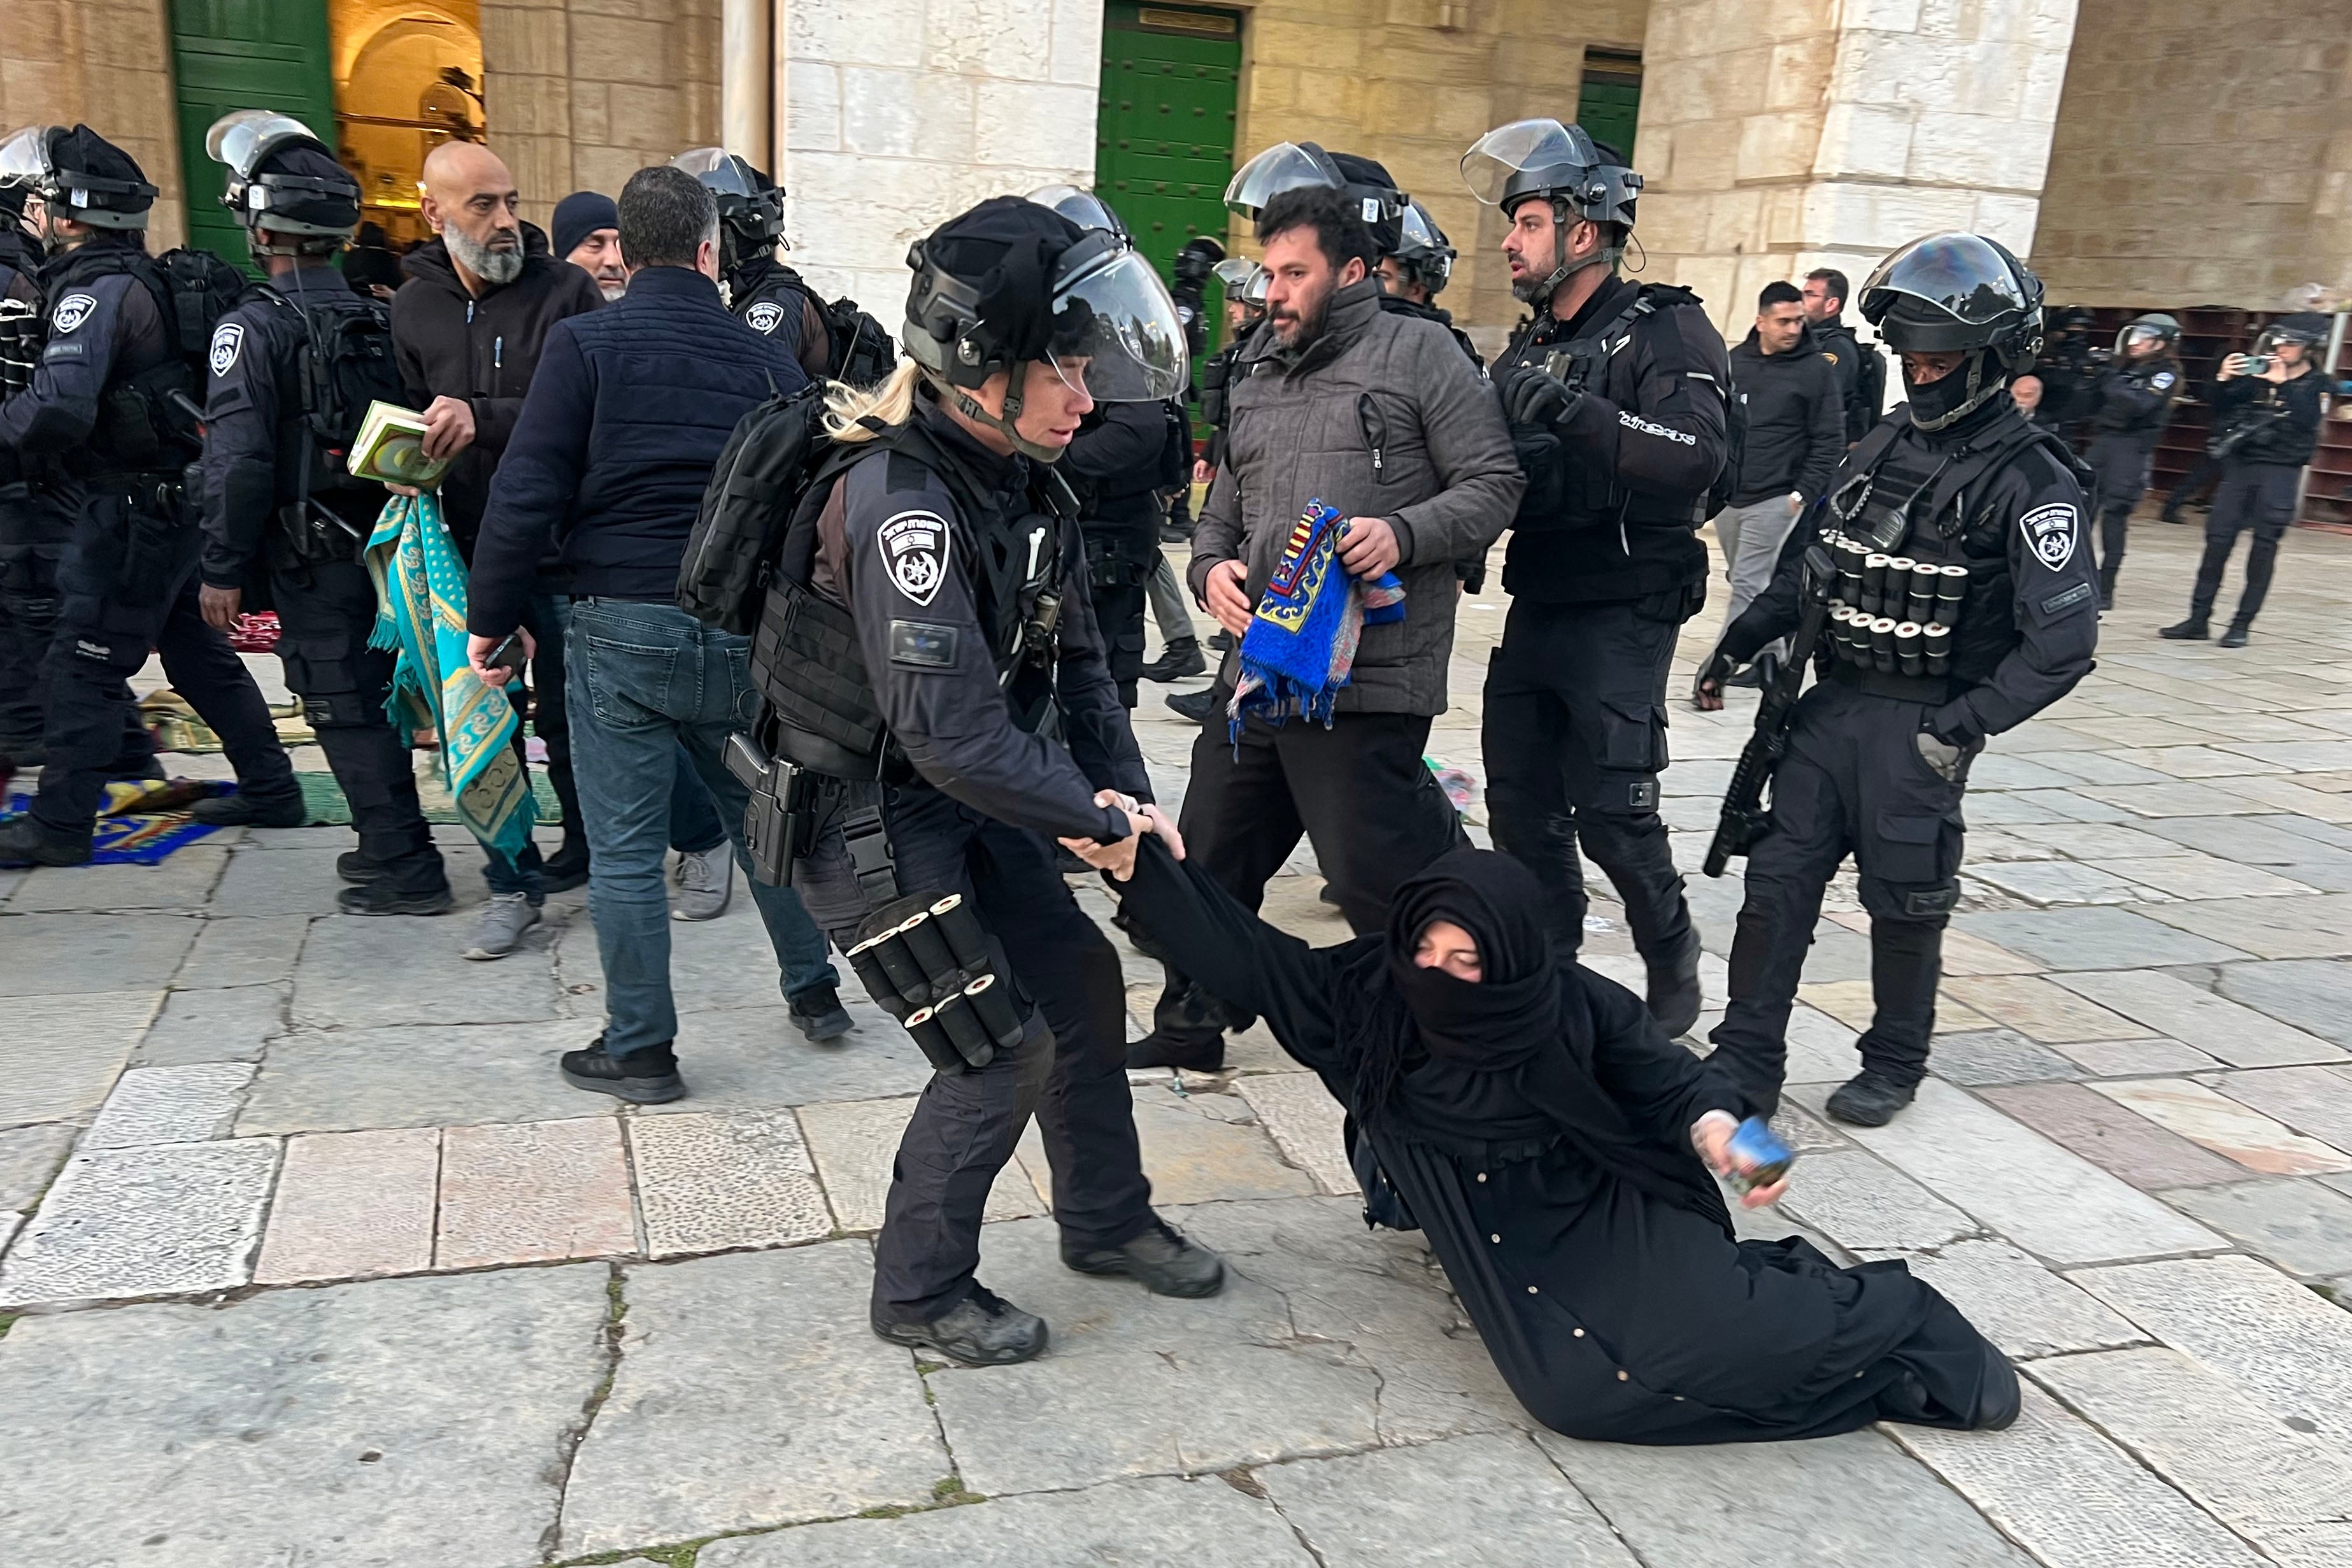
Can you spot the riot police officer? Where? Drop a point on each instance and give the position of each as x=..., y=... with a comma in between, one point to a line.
x=2133, y=401
x=940, y=545
x=1416, y=271
x=108, y=417
x=1617, y=398
x=292, y=370
x=1955, y=508
x=34, y=523
x=769, y=297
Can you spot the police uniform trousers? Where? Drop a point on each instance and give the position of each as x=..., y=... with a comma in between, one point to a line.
x=2122, y=463
x=326, y=611
x=1122, y=542
x=1070, y=1067
x=1574, y=740
x=127, y=583
x=1853, y=783
x=34, y=530
x=2259, y=497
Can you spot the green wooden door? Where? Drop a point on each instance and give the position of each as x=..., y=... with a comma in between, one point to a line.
x=243, y=54
x=1609, y=104
x=1164, y=132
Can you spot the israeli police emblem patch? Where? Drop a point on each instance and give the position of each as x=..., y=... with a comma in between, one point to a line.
x=2050, y=530
x=72, y=311
x=914, y=551
x=227, y=339
x=763, y=317
x=2162, y=380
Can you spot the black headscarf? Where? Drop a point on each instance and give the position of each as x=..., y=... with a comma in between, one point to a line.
x=1507, y=1058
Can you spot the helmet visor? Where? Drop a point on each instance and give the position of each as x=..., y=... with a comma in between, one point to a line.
x=1504, y=152
x=2136, y=335
x=717, y=168
x=1084, y=208
x=1116, y=333
x=1422, y=244
x=24, y=157
x=1959, y=274
x=1285, y=166
x=243, y=138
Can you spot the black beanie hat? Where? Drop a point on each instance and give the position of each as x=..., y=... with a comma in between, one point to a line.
x=577, y=217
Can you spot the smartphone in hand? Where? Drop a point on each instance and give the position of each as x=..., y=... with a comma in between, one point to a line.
x=508, y=656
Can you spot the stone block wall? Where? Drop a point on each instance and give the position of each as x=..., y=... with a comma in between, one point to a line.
x=2196, y=164
x=105, y=63
x=582, y=93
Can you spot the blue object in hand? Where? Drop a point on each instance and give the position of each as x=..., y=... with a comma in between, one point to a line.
x=1759, y=1157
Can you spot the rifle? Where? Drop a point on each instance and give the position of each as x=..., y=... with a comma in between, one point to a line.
x=1745, y=817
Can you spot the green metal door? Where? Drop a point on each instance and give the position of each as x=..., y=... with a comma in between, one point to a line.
x=1609, y=104
x=1164, y=132
x=243, y=54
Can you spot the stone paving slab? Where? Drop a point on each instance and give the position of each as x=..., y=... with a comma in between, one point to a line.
x=2277, y=1340
x=1849, y=1003
x=723, y=1179
x=2135, y=1058
x=2025, y=1309
x=389, y=1424
x=189, y=1104
x=2256, y=1473
x=144, y=1222
x=2036, y=1008
x=2206, y=877
x=424, y=1074
x=2317, y=927
x=2074, y=1499
x=854, y=1143
x=352, y=1205
x=182, y=881
x=212, y=1026
x=1424, y=1506
x=2097, y=938
x=2314, y=996
x=724, y=963
x=2169, y=1006
x=2054, y=882
x=1195, y=1152
x=1858, y=1202
x=2313, y=1099
x=367, y=971
x=750, y=1393
x=2234, y=1130
x=2052, y=1202
x=60, y=1054
x=1997, y=1056
x=234, y=948
x=532, y=1192
x=1305, y=1123
x=1161, y=1523
x=1829, y=1503
x=2303, y=1227
x=2114, y=1137
x=752, y=1058
x=30, y=1157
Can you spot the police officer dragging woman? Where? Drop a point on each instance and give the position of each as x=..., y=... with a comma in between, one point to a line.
x=935, y=567
x=108, y=423
x=292, y=370
x=1949, y=572
x=2133, y=403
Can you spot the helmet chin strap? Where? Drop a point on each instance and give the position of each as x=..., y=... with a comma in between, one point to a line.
x=1980, y=390
x=1539, y=294
x=1003, y=424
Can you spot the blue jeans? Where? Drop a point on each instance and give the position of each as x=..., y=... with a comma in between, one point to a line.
x=642, y=680
x=694, y=825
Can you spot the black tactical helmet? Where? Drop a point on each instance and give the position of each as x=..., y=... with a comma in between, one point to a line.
x=1422, y=252
x=78, y=174
x=750, y=206
x=2153, y=327
x=1012, y=282
x=1084, y=208
x=1303, y=166
x=2308, y=328
x=282, y=178
x=1518, y=162
x=1951, y=293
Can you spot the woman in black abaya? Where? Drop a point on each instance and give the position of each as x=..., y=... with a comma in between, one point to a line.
x=1529, y=1118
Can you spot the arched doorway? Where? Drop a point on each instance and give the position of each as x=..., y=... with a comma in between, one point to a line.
x=407, y=77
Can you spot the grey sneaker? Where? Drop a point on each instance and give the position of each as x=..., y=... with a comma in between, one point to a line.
x=705, y=883
x=499, y=931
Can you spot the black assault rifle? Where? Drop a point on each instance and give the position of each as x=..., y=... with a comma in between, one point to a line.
x=1745, y=816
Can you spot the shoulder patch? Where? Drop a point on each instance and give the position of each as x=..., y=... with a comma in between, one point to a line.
x=2074, y=596
x=2162, y=380
x=2050, y=532
x=1830, y=354
x=72, y=311
x=764, y=317
x=227, y=339
x=914, y=546
x=922, y=645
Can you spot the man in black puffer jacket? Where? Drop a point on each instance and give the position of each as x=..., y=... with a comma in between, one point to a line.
x=616, y=442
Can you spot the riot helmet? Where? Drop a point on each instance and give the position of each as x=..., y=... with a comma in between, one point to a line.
x=281, y=178
x=1956, y=294
x=1011, y=282
x=1423, y=253
x=2307, y=328
x=78, y=174
x=2154, y=327
x=750, y=206
x=1303, y=166
x=1084, y=208
x=1518, y=162
x=1244, y=282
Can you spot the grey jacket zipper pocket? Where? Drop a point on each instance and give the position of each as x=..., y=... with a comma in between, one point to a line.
x=1376, y=430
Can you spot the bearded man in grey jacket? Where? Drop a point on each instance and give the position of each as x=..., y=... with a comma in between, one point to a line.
x=1381, y=417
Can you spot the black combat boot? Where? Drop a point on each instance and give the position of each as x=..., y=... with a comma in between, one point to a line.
x=1674, y=998
x=1180, y=658
x=243, y=810
x=381, y=897
x=25, y=842
x=2193, y=629
x=981, y=1329
x=2236, y=636
x=1196, y=707
x=1166, y=1262
x=354, y=867
x=817, y=1013
x=647, y=1076
x=1870, y=1099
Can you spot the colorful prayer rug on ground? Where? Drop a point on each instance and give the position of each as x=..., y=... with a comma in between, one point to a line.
x=139, y=823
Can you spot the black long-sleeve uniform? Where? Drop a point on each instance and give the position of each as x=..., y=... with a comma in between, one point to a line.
x=1118, y=465
x=2134, y=404
x=35, y=524
x=2260, y=477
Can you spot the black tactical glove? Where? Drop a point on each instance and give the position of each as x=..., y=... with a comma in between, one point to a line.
x=1532, y=395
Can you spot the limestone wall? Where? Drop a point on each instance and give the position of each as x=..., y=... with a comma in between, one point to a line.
x=2196, y=164
x=582, y=93
x=105, y=63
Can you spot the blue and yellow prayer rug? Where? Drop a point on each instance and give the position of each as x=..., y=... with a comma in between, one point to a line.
x=1301, y=644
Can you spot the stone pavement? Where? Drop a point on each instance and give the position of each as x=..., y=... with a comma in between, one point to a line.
x=315, y=1260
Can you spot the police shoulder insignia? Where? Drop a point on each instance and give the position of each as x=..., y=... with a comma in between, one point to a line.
x=72, y=311
x=2050, y=532
x=228, y=338
x=2080, y=593
x=914, y=547
x=921, y=645
x=2162, y=380
x=764, y=317
x=1830, y=354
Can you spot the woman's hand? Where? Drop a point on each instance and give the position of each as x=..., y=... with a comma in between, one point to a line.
x=2233, y=366
x=1119, y=859
x=1711, y=1136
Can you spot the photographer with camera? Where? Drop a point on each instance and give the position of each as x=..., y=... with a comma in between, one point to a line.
x=2266, y=427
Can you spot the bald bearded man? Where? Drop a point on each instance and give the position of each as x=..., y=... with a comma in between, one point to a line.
x=467, y=328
